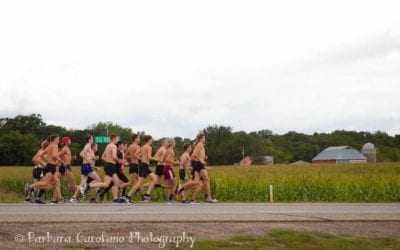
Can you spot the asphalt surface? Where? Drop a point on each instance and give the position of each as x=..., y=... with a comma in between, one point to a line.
x=236, y=212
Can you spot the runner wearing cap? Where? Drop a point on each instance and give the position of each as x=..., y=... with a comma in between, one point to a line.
x=65, y=167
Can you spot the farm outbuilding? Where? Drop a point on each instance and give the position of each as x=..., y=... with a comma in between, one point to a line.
x=340, y=155
x=369, y=151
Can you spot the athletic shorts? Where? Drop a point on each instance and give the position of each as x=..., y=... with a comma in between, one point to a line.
x=122, y=177
x=37, y=173
x=110, y=169
x=50, y=168
x=133, y=168
x=197, y=166
x=64, y=168
x=193, y=173
x=160, y=170
x=86, y=169
x=118, y=168
x=144, y=170
x=182, y=174
x=169, y=173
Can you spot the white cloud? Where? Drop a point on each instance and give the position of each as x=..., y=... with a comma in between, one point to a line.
x=172, y=68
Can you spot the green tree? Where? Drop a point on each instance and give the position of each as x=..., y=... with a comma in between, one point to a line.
x=29, y=124
x=217, y=140
x=17, y=149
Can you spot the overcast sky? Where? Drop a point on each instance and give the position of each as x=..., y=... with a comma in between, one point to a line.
x=174, y=67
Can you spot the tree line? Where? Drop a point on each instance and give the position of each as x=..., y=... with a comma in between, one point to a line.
x=21, y=135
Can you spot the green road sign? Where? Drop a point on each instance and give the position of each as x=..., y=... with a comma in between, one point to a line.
x=103, y=139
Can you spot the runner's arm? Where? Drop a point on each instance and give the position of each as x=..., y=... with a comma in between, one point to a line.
x=114, y=154
x=138, y=154
x=35, y=158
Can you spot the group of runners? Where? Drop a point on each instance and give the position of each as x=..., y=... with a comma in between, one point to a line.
x=52, y=164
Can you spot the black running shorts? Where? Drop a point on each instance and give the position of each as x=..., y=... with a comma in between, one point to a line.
x=144, y=170
x=160, y=170
x=37, y=173
x=110, y=169
x=50, y=168
x=133, y=168
x=64, y=168
x=197, y=166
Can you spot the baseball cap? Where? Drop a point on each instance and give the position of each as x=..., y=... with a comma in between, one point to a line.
x=65, y=140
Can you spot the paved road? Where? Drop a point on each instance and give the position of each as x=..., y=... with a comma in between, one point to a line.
x=201, y=213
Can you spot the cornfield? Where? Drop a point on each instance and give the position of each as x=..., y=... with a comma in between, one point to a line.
x=311, y=183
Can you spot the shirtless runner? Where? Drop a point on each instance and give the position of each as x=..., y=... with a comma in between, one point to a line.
x=199, y=169
x=110, y=158
x=50, y=177
x=144, y=170
x=65, y=168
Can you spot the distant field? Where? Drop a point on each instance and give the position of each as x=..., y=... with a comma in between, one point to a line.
x=317, y=183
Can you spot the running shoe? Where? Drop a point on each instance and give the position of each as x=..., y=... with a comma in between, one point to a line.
x=39, y=201
x=74, y=200
x=211, y=200
x=146, y=198
x=127, y=199
x=117, y=202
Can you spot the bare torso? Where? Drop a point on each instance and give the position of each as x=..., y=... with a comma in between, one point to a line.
x=199, y=153
x=133, y=152
x=110, y=153
x=52, y=154
x=169, y=158
x=185, y=161
x=146, y=151
x=86, y=154
x=65, y=155
x=160, y=155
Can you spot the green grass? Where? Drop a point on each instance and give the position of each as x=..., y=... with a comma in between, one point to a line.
x=286, y=239
x=314, y=183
